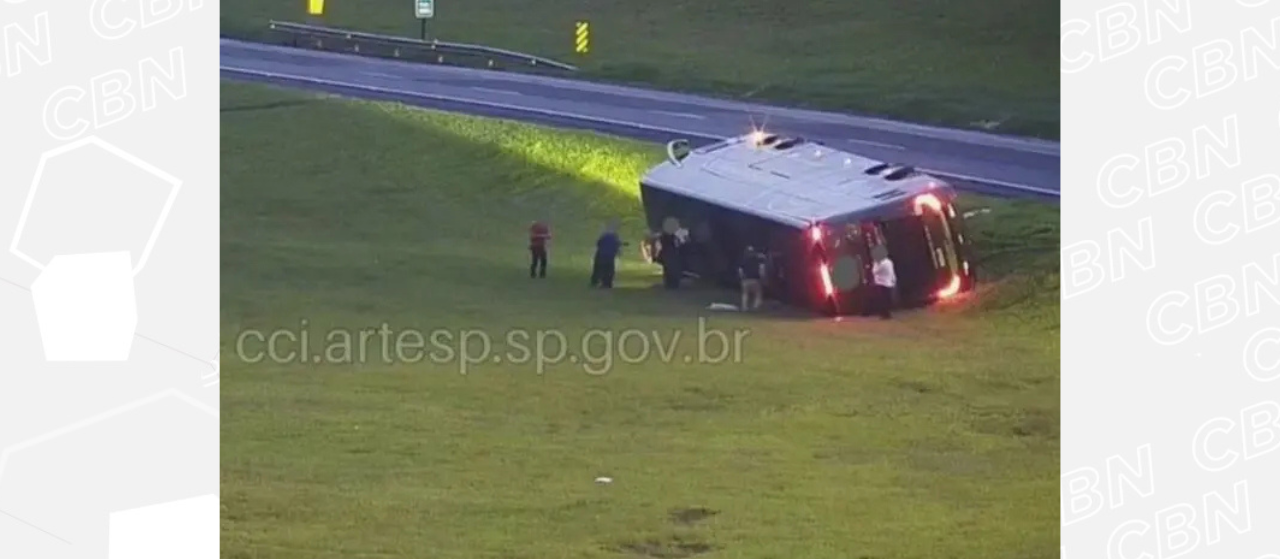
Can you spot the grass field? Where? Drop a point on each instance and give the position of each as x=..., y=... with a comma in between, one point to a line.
x=933, y=435
x=945, y=61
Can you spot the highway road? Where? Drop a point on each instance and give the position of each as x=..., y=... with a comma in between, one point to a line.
x=975, y=161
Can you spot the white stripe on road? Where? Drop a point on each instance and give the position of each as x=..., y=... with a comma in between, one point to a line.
x=876, y=144
x=680, y=115
x=494, y=90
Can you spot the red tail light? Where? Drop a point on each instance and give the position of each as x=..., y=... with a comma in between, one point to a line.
x=815, y=233
x=950, y=290
x=927, y=200
x=826, y=279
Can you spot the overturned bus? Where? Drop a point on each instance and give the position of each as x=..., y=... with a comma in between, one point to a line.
x=818, y=214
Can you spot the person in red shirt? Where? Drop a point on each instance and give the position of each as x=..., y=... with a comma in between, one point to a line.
x=539, y=234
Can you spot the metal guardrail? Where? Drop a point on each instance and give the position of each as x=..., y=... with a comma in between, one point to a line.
x=439, y=48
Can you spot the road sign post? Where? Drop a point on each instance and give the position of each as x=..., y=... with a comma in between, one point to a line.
x=315, y=12
x=424, y=10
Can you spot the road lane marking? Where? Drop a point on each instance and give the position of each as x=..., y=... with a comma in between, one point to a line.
x=877, y=144
x=494, y=90
x=994, y=182
x=680, y=115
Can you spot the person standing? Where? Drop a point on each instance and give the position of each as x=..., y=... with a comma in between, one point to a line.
x=608, y=246
x=539, y=236
x=751, y=272
x=885, y=279
x=649, y=248
x=669, y=247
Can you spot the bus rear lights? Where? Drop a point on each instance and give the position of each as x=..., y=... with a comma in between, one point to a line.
x=815, y=233
x=927, y=200
x=950, y=290
x=825, y=272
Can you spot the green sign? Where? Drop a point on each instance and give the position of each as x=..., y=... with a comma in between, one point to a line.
x=425, y=9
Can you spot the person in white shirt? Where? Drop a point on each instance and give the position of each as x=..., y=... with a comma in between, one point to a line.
x=885, y=280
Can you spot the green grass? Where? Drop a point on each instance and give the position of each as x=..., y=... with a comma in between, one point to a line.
x=932, y=435
x=952, y=62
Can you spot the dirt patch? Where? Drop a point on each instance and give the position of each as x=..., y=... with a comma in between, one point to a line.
x=691, y=516
x=848, y=455
x=914, y=386
x=1037, y=424
x=949, y=462
x=695, y=399
x=1030, y=423
x=674, y=548
x=265, y=106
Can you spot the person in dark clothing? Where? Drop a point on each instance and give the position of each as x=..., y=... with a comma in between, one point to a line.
x=751, y=272
x=539, y=234
x=670, y=257
x=649, y=248
x=683, y=250
x=608, y=246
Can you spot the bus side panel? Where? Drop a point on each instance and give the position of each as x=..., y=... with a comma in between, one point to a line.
x=657, y=203
x=731, y=232
x=719, y=237
x=791, y=269
x=700, y=257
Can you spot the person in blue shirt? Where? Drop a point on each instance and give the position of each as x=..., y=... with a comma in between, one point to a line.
x=608, y=247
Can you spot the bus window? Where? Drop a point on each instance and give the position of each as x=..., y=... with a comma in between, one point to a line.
x=956, y=225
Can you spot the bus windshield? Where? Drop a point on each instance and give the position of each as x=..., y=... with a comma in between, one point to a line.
x=937, y=232
x=923, y=246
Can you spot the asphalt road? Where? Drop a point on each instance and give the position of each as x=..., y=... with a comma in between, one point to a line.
x=976, y=161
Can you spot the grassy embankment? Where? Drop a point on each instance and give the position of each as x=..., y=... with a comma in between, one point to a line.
x=933, y=435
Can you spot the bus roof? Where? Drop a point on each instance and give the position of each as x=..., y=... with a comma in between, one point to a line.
x=791, y=180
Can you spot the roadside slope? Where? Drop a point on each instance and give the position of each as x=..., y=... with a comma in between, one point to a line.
x=813, y=439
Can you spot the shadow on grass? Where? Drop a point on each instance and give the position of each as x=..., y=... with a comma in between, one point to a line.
x=266, y=106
